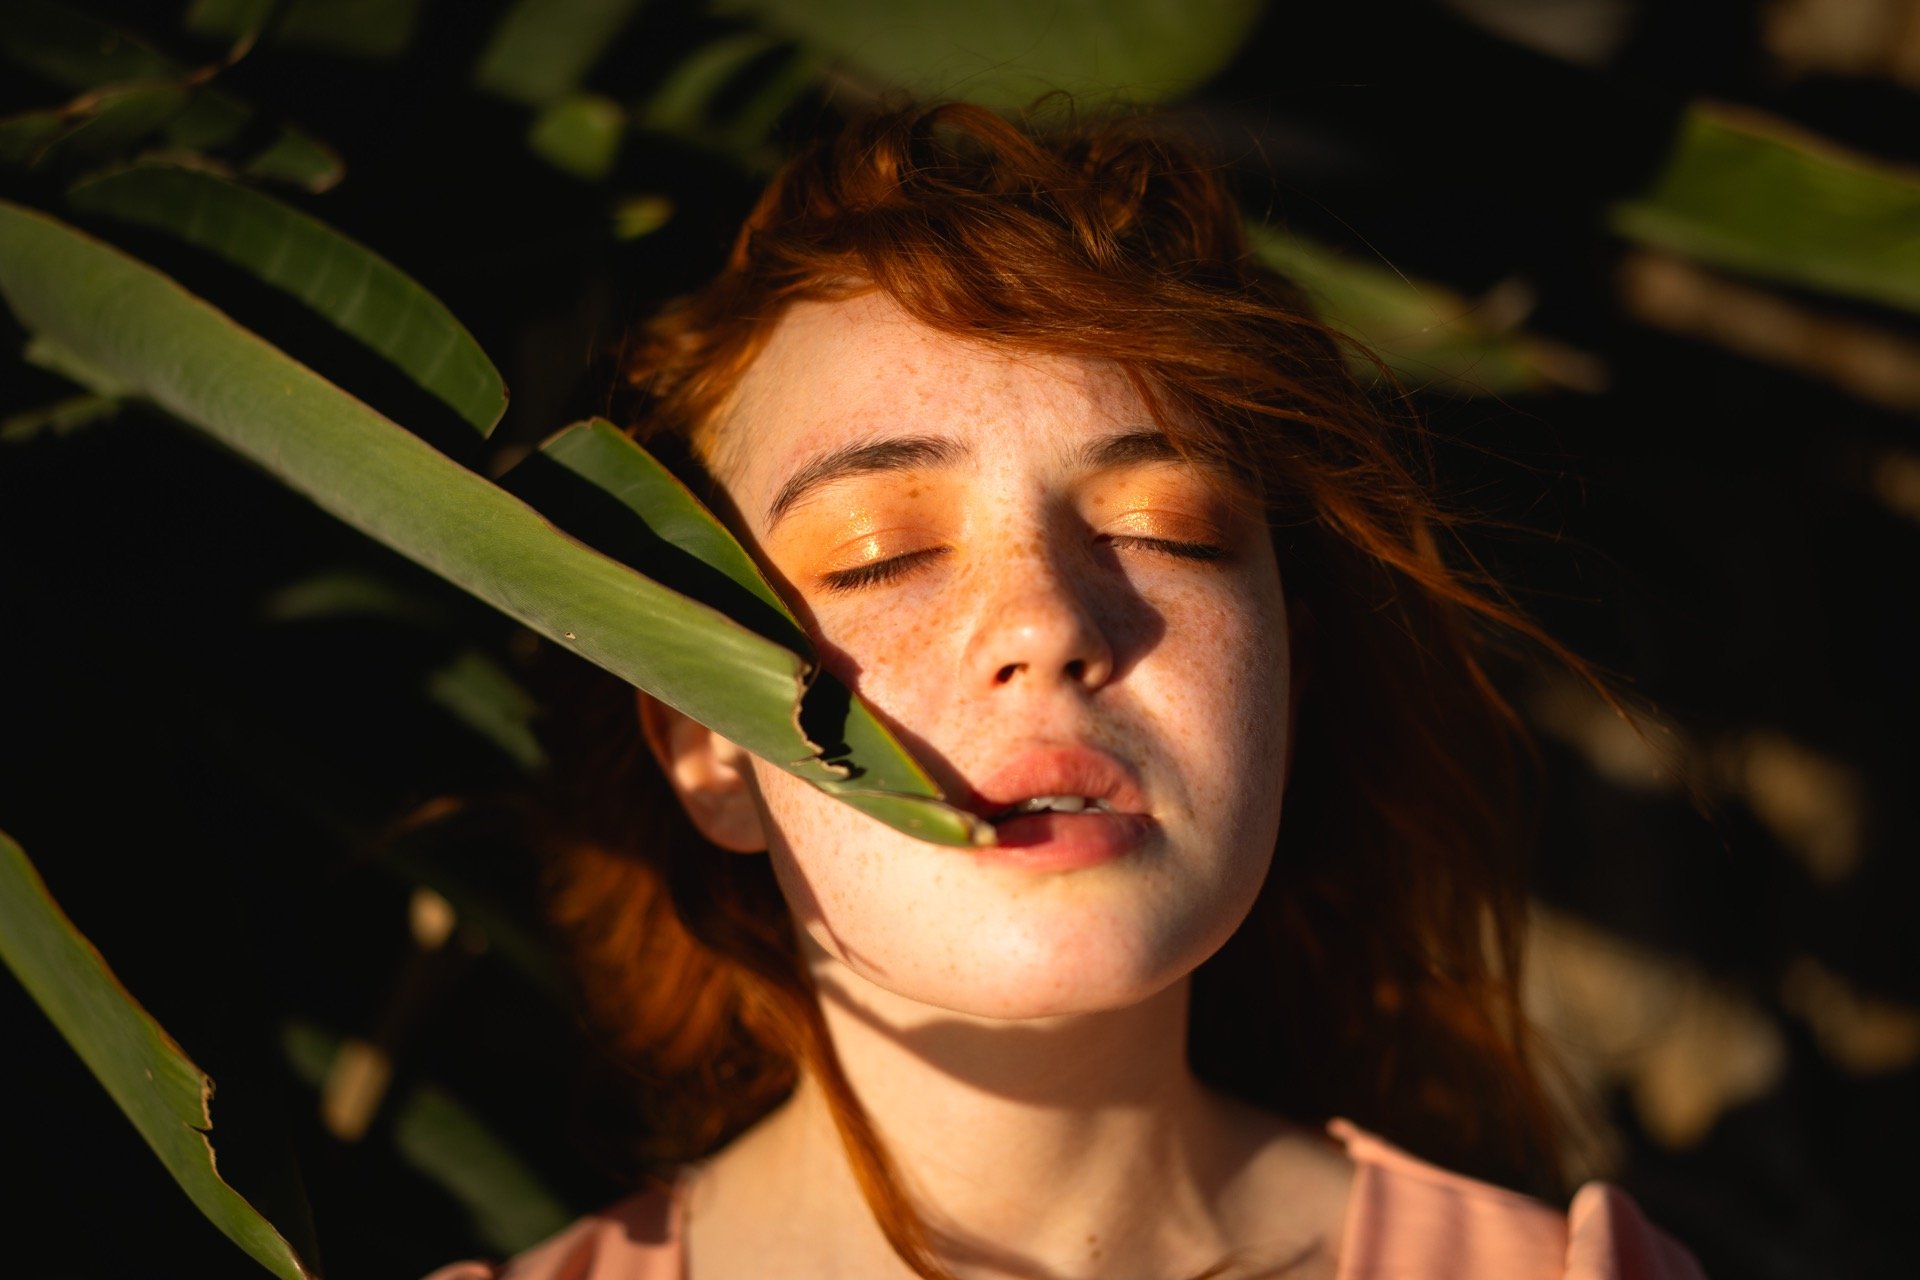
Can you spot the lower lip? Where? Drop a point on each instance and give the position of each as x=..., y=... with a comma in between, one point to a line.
x=1066, y=841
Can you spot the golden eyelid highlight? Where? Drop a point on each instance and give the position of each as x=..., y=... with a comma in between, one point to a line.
x=875, y=546
x=1171, y=526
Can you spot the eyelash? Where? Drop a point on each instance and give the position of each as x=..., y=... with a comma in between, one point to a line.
x=881, y=572
x=1170, y=547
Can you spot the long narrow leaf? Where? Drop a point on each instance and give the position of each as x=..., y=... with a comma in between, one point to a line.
x=1006, y=53
x=60, y=418
x=684, y=100
x=617, y=497
x=1751, y=195
x=198, y=365
x=580, y=134
x=510, y=1206
x=95, y=126
x=348, y=284
x=542, y=49
x=148, y=1076
x=216, y=121
x=356, y=28
x=229, y=19
x=479, y=693
x=65, y=47
x=599, y=454
x=71, y=50
x=1427, y=334
x=26, y=138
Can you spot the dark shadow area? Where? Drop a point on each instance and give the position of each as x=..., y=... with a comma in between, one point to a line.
x=289, y=324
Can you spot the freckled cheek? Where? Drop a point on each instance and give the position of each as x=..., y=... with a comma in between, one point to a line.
x=1227, y=692
x=896, y=658
x=829, y=873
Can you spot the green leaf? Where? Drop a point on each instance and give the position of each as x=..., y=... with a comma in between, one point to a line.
x=60, y=418
x=349, y=285
x=350, y=593
x=641, y=215
x=651, y=506
x=478, y=692
x=92, y=127
x=683, y=102
x=199, y=366
x=580, y=135
x=1751, y=195
x=65, y=47
x=1426, y=333
x=129, y=91
x=43, y=353
x=617, y=497
x=26, y=138
x=510, y=1207
x=727, y=96
x=1007, y=53
x=148, y=1076
x=542, y=49
x=298, y=159
x=215, y=121
x=352, y=28
x=228, y=19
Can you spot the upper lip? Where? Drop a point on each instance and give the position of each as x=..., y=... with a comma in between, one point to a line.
x=1057, y=770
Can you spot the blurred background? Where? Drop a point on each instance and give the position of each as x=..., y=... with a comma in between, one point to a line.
x=1650, y=268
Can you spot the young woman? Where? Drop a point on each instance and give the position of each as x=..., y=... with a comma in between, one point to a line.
x=1092, y=511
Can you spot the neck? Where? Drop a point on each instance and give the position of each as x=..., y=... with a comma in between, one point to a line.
x=1068, y=1146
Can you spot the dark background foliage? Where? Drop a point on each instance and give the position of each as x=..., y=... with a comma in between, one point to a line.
x=208, y=741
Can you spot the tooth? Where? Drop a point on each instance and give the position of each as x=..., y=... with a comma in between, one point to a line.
x=1056, y=804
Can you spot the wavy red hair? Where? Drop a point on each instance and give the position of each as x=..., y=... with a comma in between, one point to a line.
x=1377, y=977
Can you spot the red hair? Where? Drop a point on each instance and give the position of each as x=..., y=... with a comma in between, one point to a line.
x=1378, y=975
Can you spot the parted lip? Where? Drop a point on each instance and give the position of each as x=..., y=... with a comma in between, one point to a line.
x=1057, y=770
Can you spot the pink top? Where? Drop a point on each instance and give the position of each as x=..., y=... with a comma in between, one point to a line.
x=1407, y=1220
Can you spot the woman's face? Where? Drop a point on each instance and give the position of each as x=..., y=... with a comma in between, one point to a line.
x=1000, y=553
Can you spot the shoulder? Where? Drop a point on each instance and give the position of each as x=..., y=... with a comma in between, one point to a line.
x=636, y=1239
x=1411, y=1219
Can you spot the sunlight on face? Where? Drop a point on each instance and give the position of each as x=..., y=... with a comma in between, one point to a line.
x=1002, y=555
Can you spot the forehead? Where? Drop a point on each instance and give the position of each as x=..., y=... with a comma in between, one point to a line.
x=846, y=372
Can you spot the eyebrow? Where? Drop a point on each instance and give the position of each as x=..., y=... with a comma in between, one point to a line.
x=899, y=453
x=913, y=453
x=1144, y=445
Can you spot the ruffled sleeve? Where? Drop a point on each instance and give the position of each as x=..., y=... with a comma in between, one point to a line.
x=1412, y=1220
x=1608, y=1238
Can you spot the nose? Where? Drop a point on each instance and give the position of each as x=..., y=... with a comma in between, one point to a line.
x=1039, y=630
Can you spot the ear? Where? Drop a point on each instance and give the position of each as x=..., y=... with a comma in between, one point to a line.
x=712, y=776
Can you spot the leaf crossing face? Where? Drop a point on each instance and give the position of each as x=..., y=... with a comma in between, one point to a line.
x=142, y=329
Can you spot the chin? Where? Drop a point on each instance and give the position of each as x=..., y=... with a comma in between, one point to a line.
x=1025, y=970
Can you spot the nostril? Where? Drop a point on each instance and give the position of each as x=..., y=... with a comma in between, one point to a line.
x=1077, y=669
x=1007, y=672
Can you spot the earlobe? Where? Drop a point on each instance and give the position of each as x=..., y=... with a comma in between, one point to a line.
x=711, y=776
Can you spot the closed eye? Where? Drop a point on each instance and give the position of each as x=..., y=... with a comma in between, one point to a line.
x=1169, y=547
x=880, y=571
